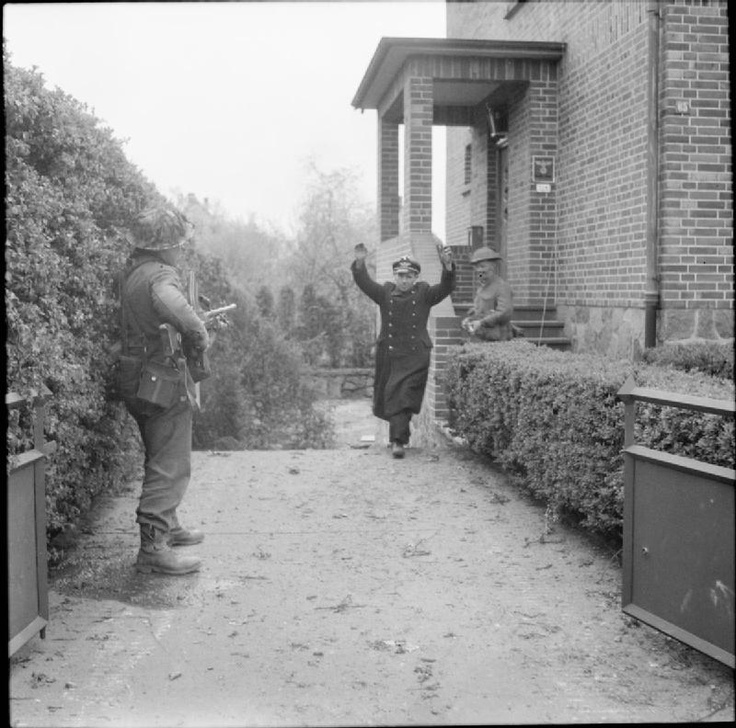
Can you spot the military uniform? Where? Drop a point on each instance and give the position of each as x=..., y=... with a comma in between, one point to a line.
x=403, y=347
x=493, y=304
x=152, y=294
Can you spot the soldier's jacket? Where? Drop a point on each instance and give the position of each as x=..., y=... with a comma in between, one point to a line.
x=154, y=295
x=493, y=306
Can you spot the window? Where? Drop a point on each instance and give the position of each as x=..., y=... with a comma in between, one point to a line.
x=468, y=163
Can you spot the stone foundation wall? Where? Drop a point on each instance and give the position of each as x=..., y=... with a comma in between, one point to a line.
x=619, y=332
x=614, y=332
x=683, y=325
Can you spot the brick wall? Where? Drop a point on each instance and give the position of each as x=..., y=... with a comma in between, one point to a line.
x=596, y=255
x=602, y=175
x=417, y=151
x=388, y=179
x=696, y=236
x=457, y=194
x=445, y=333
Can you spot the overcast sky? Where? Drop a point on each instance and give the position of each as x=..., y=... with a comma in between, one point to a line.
x=226, y=100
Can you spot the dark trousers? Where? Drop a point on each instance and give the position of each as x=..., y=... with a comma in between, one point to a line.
x=167, y=440
x=398, y=427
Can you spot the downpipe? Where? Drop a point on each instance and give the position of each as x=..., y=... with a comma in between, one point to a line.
x=651, y=291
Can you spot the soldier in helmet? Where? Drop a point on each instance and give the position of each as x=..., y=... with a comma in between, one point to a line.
x=152, y=294
x=490, y=317
x=403, y=346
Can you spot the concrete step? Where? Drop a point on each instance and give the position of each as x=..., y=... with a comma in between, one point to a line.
x=535, y=312
x=543, y=329
x=522, y=312
x=537, y=322
x=554, y=342
x=551, y=326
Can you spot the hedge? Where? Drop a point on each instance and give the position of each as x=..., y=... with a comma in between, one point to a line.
x=554, y=422
x=71, y=195
x=709, y=357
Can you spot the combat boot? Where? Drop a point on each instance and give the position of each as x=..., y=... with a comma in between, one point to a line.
x=181, y=536
x=156, y=556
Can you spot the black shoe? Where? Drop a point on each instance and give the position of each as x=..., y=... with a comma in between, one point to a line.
x=397, y=450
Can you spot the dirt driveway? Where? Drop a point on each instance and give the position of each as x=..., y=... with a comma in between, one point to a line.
x=346, y=588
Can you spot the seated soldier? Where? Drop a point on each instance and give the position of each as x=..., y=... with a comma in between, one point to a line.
x=490, y=317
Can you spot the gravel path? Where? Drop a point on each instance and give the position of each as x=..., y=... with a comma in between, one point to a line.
x=343, y=587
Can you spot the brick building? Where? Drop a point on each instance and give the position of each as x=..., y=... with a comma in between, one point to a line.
x=589, y=143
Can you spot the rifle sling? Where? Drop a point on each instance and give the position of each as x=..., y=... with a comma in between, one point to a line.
x=123, y=313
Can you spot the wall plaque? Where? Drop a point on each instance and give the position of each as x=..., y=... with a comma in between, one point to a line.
x=543, y=169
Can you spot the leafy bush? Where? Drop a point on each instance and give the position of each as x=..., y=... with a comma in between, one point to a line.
x=710, y=357
x=256, y=398
x=70, y=193
x=554, y=422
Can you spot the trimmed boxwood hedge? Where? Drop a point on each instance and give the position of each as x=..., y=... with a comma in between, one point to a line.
x=709, y=357
x=554, y=422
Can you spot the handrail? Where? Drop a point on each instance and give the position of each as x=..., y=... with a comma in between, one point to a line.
x=630, y=394
x=675, y=399
x=14, y=400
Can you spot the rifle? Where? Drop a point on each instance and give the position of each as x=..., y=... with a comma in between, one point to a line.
x=197, y=360
x=212, y=314
x=193, y=298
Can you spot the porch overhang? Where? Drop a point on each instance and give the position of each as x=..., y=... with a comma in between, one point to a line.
x=465, y=72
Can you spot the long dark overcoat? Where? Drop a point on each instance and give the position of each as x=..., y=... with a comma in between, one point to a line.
x=403, y=347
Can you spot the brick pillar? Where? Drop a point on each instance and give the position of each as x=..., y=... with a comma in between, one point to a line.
x=418, y=102
x=388, y=179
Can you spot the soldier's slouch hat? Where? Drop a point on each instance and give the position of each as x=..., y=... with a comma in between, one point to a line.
x=484, y=253
x=406, y=264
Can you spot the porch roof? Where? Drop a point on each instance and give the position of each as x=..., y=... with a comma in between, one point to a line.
x=392, y=53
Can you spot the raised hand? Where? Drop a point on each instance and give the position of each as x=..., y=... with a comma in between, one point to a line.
x=446, y=256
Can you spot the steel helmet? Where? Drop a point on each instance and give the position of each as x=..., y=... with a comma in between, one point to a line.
x=160, y=228
x=484, y=253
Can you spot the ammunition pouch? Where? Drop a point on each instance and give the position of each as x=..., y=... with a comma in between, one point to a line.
x=160, y=384
x=148, y=381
